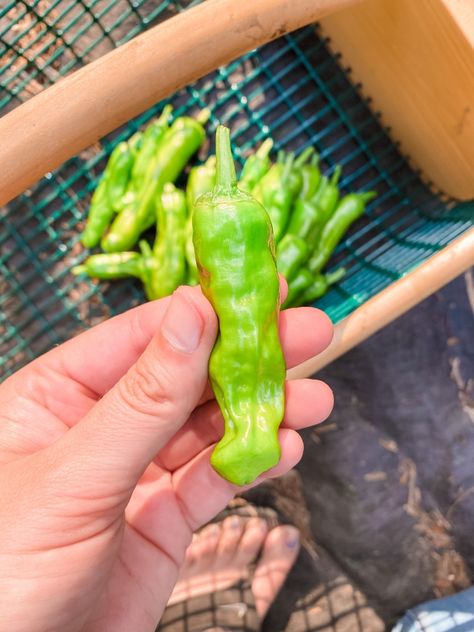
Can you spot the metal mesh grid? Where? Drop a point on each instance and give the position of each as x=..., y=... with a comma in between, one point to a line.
x=292, y=89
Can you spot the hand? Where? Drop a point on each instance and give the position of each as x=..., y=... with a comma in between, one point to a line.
x=104, y=463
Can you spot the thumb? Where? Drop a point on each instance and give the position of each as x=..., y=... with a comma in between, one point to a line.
x=125, y=430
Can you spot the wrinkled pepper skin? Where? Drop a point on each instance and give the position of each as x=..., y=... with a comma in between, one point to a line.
x=107, y=197
x=292, y=252
x=298, y=284
x=350, y=208
x=255, y=167
x=166, y=265
x=274, y=194
x=175, y=148
x=319, y=286
x=237, y=272
x=201, y=180
x=115, y=265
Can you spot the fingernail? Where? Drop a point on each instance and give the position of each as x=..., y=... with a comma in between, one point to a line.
x=182, y=325
x=235, y=522
x=292, y=538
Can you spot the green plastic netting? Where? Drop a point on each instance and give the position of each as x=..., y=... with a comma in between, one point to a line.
x=292, y=89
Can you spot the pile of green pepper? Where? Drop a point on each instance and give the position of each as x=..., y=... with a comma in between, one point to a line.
x=137, y=191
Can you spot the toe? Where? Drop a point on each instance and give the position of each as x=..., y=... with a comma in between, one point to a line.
x=203, y=550
x=279, y=553
x=251, y=542
x=232, y=530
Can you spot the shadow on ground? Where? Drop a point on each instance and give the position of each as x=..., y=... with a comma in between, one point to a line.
x=387, y=483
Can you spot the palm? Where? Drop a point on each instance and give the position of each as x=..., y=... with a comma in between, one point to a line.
x=125, y=548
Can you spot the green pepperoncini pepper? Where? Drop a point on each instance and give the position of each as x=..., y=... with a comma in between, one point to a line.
x=234, y=249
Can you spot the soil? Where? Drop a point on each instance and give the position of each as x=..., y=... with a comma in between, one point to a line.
x=386, y=484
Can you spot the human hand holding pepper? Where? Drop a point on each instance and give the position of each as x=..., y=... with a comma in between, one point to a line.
x=104, y=463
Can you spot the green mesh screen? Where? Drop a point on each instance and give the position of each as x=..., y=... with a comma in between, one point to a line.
x=292, y=89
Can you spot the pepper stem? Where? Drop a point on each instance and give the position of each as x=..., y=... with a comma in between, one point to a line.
x=203, y=116
x=315, y=160
x=225, y=176
x=264, y=149
x=334, y=277
x=336, y=175
x=145, y=249
x=77, y=270
x=165, y=114
x=367, y=196
x=303, y=157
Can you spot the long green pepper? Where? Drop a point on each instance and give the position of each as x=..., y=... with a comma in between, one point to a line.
x=166, y=265
x=311, y=178
x=237, y=272
x=150, y=141
x=275, y=195
x=299, y=283
x=114, y=265
x=107, y=197
x=319, y=286
x=327, y=196
x=349, y=209
x=255, y=167
x=291, y=253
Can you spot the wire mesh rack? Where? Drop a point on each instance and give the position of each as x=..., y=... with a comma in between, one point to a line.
x=293, y=90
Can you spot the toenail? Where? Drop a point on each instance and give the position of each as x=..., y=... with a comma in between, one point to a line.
x=292, y=538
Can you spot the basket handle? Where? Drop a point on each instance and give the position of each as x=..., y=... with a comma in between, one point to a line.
x=42, y=133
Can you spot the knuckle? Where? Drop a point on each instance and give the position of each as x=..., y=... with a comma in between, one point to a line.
x=147, y=387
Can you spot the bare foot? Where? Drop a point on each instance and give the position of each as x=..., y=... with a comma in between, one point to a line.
x=220, y=555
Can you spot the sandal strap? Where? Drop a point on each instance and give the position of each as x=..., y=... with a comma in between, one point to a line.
x=230, y=609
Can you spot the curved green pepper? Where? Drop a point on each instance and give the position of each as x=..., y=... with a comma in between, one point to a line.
x=152, y=136
x=115, y=265
x=100, y=215
x=291, y=253
x=350, y=208
x=237, y=272
x=255, y=167
x=201, y=180
x=118, y=177
x=301, y=281
x=311, y=178
x=274, y=193
x=166, y=265
x=295, y=181
x=319, y=287
x=327, y=196
x=108, y=195
x=176, y=147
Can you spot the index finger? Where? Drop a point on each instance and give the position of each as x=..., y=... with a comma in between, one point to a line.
x=99, y=357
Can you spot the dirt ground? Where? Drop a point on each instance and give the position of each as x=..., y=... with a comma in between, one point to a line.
x=385, y=492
